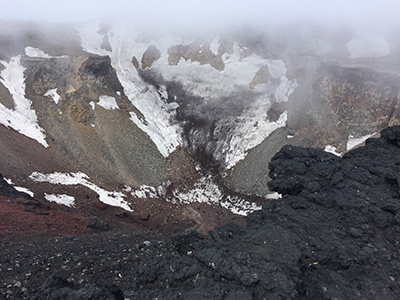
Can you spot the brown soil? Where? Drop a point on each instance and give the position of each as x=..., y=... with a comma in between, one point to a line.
x=30, y=216
x=25, y=216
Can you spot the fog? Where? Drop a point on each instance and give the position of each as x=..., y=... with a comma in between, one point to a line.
x=362, y=15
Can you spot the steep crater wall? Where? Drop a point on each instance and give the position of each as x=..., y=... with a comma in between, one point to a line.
x=334, y=103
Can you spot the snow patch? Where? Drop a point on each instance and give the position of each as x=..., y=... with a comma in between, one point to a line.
x=22, y=118
x=204, y=191
x=60, y=199
x=276, y=68
x=108, y=102
x=34, y=52
x=371, y=46
x=285, y=89
x=253, y=129
x=24, y=190
x=9, y=181
x=204, y=80
x=163, y=92
x=332, y=149
x=274, y=196
x=79, y=178
x=214, y=45
x=353, y=142
x=53, y=94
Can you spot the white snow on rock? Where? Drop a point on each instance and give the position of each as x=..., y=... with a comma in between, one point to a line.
x=163, y=92
x=156, y=124
x=332, y=149
x=204, y=191
x=108, y=102
x=201, y=80
x=214, y=45
x=107, y=197
x=22, y=118
x=20, y=188
x=54, y=95
x=274, y=196
x=285, y=89
x=371, y=46
x=204, y=80
x=24, y=190
x=60, y=199
x=253, y=129
x=353, y=142
x=213, y=85
x=9, y=181
x=34, y=52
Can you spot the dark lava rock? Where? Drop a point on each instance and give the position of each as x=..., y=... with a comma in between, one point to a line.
x=58, y=288
x=335, y=234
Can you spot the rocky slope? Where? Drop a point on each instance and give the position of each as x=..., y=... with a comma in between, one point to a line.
x=333, y=235
x=138, y=115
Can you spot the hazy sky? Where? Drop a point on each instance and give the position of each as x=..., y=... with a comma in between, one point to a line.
x=361, y=13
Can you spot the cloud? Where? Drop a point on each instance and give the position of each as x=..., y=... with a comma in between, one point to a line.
x=207, y=14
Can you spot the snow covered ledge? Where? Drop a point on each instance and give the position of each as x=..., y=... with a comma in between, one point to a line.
x=107, y=197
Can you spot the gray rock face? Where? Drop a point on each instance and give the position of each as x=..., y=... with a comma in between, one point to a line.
x=102, y=141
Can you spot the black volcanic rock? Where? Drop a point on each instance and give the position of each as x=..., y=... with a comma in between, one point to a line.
x=58, y=288
x=333, y=235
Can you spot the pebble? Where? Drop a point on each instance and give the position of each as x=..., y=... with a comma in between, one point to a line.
x=18, y=284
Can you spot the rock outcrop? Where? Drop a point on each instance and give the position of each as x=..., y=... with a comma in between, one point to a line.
x=150, y=56
x=196, y=53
